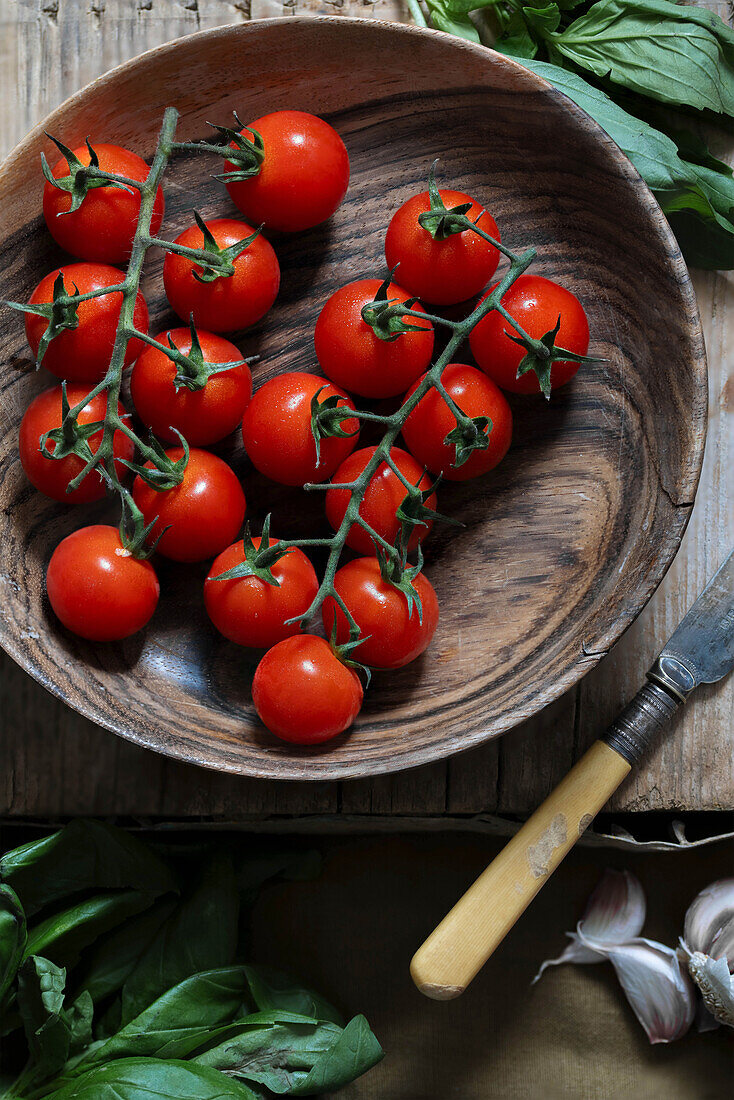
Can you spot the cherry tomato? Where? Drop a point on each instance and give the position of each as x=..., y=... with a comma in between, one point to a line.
x=104, y=225
x=252, y=612
x=384, y=495
x=441, y=271
x=431, y=421
x=52, y=476
x=82, y=354
x=303, y=693
x=276, y=430
x=353, y=356
x=303, y=177
x=229, y=302
x=203, y=514
x=393, y=635
x=202, y=416
x=97, y=588
x=536, y=304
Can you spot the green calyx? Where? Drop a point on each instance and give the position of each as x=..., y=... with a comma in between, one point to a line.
x=541, y=359
x=258, y=562
x=60, y=312
x=72, y=438
x=165, y=473
x=216, y=262
x=441, y=221
x=343, y=651
x=134, y=531
x=396, y=571
x=328, y=418
x=192, y=370
x=80, y=179
x=246, y=155
x=385, y=316
x=413, y=511
x=470, y=434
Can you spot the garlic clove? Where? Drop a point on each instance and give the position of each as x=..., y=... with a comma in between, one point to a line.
x=722, y=945
x=707, y=915
x=660, y=993
x=716, y=985
x=575, y=952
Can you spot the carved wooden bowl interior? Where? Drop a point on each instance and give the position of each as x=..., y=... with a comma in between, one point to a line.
x=561, y=546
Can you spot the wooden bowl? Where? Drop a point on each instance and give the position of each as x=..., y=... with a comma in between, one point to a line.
x=561, y=546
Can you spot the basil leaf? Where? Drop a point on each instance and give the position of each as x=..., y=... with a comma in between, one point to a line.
x=299, y=1056
x=670, y=52
x=13, y=937
x=86, y=855
x=517, y=41
x=452, y=22
x=78, y=1018
x=256, y=869
x=704, y=242
x=40, y=1002
x=151, y=1079
x=272, y=989
x=114, y=957
x=62, y=936
x=200, y=935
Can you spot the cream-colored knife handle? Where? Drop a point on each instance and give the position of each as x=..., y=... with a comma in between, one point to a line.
x=459, y=947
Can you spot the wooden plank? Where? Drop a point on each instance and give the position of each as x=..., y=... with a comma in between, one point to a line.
x=54, y=762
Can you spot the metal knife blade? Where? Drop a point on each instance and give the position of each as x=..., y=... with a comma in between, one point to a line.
x=701, y=649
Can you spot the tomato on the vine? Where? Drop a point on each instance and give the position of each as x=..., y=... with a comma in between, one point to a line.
x=431, y=421
x=203, y=513
x=254, y=612
x=203, y=416
x=103, y=227
x=354, y=356
x=52, y=476
x=228, y=302
x=276, y=430
x=446, y=271
x=394, y=632
x=303, y=175
x=382, y=499
x=303, y=693
x=536, y=304
x=82, y=354
x=97, y=588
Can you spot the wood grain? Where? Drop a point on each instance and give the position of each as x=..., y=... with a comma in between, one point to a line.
x=102, y=773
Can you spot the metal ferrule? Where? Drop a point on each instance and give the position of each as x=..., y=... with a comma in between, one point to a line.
x=642, y=719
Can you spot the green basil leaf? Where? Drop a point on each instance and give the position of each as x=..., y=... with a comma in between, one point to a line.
x=256, y=869
x=673, y=53
x=298, y=1056
x=273, y=990
x=63, y=936
x=113, y=958
x=452, y=22
x=13, y=937
x=516, y=40
x=86, y=855
x=200, y=935
x=151, y=1079
x=543, y=19
x=78, y=1018
x=705, y=243
x=40, y=1002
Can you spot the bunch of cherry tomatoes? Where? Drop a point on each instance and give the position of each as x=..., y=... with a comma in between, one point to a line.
x=305, y=688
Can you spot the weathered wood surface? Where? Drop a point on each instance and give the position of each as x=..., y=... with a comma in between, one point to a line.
x=53, y=762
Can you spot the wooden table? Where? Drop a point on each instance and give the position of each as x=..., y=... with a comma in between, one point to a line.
x=54, y=762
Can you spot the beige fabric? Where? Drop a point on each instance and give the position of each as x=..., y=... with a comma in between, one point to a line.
x=573, y=1036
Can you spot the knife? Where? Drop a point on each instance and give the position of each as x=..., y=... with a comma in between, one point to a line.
x=701, y=651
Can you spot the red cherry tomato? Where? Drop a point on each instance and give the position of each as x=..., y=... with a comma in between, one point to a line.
x=393, y=635
x=202, y=416
x=52, y=476
x=353, y=356
x=203, y=514
x=97, y=588
x=104, y=225
x=385, y=493
x=536, y=304
x=230, y=302
x=431, y=421
x=252, y=612
x=276, y=430
x=441, y=271
x=303, y=693
x=82, y=354
x=303, y=177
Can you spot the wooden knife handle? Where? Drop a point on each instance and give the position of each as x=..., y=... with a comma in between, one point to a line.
x=461, y=944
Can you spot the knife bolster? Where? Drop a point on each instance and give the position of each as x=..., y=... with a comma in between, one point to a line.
x=642, y=719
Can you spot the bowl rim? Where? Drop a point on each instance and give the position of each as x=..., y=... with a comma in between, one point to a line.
x=302, y=769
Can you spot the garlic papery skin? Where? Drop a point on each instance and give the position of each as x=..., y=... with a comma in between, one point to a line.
x=615, y=913
x=708, y=914
x=660, y=993
x=715, y=983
